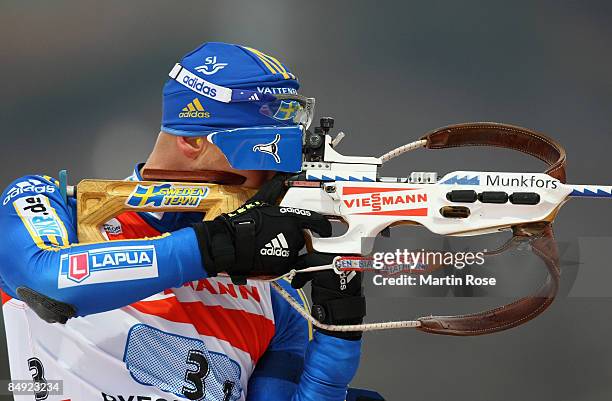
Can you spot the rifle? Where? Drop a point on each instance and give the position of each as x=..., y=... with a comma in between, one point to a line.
x=350, y=189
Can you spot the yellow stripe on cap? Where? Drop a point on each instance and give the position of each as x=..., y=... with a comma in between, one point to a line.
x=273, y=67
x=279, y=65
x=263, y=60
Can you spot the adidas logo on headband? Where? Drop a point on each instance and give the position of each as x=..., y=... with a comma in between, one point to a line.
x=194, y=109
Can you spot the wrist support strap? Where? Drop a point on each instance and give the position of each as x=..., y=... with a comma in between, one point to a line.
x=332, y=307
x=216, y=247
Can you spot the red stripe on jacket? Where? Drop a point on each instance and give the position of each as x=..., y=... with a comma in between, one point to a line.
x=247, y=331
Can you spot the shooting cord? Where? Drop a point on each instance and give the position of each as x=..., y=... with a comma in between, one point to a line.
x=402, y=149
x=332, y=327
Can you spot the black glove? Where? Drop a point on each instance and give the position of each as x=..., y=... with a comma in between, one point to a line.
x=336, y=299
x=256, y=240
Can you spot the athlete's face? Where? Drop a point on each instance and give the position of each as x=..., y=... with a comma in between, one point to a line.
x=211, y=158
x=193, y=154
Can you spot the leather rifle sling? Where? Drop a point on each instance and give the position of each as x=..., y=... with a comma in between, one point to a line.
x=540, y=234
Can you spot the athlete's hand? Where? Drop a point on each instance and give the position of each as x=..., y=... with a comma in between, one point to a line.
x=257, y=240
x=336, y=298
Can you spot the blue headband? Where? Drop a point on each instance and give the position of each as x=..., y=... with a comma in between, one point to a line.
x=220, y=91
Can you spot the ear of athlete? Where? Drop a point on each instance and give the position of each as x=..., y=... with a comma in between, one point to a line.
x=257, y=240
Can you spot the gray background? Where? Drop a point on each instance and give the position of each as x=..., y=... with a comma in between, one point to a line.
x=80, y=89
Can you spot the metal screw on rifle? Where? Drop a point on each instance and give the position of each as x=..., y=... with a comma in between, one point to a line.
x=330, y=189
x=315, y=140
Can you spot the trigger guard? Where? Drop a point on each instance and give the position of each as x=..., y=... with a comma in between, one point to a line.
x=338, y=245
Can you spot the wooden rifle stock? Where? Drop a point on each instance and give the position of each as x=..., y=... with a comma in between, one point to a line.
x=98, y=201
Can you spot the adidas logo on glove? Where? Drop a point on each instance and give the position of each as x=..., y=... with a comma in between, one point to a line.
x=277, y=247
x=295, y=211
